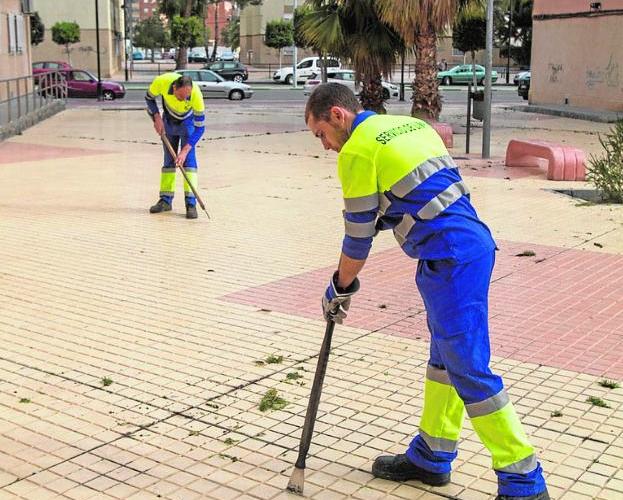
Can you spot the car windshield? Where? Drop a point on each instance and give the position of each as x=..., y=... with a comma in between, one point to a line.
x=83, y=76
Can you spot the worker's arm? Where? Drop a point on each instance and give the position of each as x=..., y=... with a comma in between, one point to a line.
x=196, y=102
x=361, y=202
x=154, y=90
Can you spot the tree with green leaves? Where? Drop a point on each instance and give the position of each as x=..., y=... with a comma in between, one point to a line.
x=469, y=34
x=279, y=34
x=65, y=33
x=231, y=34
x=184, y=10
x=520, y=32
x=419, y=22
x=37, y=29
x=149, y=34
x=186, y=32
x=352, y=29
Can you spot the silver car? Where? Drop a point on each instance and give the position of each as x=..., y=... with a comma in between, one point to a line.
x=213, y=85
x=347, y=78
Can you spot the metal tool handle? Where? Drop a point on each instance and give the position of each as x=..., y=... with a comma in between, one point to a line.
x=173, y=154
x=314, y=398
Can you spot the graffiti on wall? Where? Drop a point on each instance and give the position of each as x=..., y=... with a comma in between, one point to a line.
x=608, y=75
x=554, y=71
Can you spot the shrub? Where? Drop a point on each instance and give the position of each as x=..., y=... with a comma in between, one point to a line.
x=606, y=172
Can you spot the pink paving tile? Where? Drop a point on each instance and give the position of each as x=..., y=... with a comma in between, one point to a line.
x=473, y=166
x=564, y=311
x=14, y=152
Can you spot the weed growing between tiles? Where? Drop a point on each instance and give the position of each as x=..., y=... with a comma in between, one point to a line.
x=526, y=253
x=272, y=401
x=106, y=381
x=609, y=384
x=556, y=413
x=596, y=401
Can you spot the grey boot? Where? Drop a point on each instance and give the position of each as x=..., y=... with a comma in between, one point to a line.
x=160, y=206
x=191, y=212
x=400, y=468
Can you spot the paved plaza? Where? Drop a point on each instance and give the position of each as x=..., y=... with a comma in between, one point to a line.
x=136, y=348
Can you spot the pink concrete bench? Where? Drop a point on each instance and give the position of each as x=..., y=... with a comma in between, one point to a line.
x=445, y=132
x=564, y=163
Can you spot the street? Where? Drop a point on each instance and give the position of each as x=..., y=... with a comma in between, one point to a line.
x=280, y=94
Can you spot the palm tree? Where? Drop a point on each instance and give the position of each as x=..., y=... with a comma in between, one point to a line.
x=353, y=30
x=419, y=22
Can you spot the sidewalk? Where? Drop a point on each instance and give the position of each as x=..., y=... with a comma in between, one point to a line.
x=137, y=348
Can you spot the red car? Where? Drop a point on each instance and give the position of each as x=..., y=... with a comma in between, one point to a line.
x=46, y=66
x=81, y=83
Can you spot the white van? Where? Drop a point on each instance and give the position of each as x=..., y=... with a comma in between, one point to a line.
x=306, y=68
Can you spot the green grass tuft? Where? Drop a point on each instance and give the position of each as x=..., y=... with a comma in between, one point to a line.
x=610, y=384
x=272, y=401
x=595, y=401
x=272, y=359
x=106, y=381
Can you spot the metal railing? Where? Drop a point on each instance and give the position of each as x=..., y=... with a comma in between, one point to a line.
x=26, y=94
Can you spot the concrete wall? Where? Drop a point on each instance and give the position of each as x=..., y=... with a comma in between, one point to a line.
x=577, y=56
x=13, y=64
x=83, y=54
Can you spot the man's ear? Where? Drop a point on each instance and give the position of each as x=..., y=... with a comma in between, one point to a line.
x=337, y=113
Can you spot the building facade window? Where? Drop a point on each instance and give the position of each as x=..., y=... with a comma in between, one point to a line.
x=16, y=32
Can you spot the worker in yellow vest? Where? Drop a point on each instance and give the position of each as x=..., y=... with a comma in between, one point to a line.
x=183, y=122
x=397, y=174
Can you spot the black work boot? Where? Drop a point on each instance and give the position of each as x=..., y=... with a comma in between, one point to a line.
x=400, y=468
x=160, y=206
x=191, y=212
x=544, y=495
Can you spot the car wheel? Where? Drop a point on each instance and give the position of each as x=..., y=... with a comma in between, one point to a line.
x=238, y=78
x=236, y=95
x=108, y=95
x=289, y=79
x=386, y=95
x=446, y=80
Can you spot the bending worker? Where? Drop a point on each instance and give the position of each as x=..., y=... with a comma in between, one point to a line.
x=397, y=174
x=183, y=124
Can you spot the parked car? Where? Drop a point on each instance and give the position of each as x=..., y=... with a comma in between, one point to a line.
x=46, y=66
x=519, y=76
x=81, y=83
x=137, y=55
x=347, y=77
x=198, y=54
x=169, y=53
x=213, y=85
x=230, y=70
x=463, y=74
x=226, y=56
x=523, y=89
x=305, y=69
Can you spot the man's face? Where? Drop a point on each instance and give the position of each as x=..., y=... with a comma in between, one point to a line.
x=182, y=93
x=334, y=132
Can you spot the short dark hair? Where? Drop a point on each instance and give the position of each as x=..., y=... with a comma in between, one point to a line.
x=183, y=81
x=327, y=95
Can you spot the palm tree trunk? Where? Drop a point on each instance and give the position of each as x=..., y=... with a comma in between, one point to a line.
x=213, y=56
x=371, y=96
x=426, y=99
x=182, y=53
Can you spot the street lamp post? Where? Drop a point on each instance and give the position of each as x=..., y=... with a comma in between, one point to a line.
x=508, y=54
x=486, y=123
x=97, y=47
x=294, y=51
x=125, y=37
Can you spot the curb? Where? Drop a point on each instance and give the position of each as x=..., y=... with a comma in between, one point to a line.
x=578, y=114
